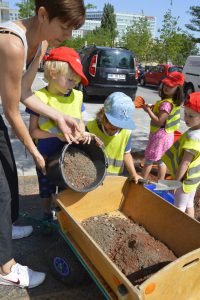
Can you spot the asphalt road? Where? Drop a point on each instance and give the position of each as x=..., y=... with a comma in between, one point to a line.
x=141, y=119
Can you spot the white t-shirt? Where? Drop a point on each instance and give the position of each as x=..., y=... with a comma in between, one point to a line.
x=194, y=135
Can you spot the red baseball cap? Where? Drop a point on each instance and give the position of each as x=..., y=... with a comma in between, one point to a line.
x=174, y=79
x=71, y=56
x=193, y=101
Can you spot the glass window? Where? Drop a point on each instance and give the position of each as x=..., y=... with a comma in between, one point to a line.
x=116, y=59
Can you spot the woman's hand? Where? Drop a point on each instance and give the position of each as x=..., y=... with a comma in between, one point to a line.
x=41, y=53
x=39, y=161
x=69, y=128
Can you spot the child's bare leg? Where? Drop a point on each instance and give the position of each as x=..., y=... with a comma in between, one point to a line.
x=185, y=201
x=146, y=170
x=190, y=211
x=162, y=171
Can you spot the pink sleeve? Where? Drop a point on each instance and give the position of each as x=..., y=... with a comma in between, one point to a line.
x=166, y=106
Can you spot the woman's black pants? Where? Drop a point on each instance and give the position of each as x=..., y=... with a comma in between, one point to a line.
x=9, y=194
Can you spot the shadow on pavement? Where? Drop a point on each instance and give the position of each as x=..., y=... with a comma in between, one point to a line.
x=34, y=250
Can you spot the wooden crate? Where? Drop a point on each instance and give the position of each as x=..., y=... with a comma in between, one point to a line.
x=178, y=280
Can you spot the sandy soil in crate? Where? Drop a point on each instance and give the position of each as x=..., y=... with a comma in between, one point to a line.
x=134, y=251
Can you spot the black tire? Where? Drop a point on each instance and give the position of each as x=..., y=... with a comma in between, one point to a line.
x=188, y=89
x=65, y=266
x=142, y=82
x=80, y=87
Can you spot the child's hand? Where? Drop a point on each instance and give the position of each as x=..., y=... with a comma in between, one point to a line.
x=86, y=137
x=135, y=178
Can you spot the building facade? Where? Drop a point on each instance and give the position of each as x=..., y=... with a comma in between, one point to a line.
x=7, y=13
x=4, y=11
x=123, y=20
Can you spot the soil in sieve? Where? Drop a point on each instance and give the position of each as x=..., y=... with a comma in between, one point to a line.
x=133, y=250
x=78, y=169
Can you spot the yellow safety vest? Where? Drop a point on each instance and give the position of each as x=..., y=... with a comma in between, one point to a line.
x=173, y=121
x=70, y=105
x=174, y=155
x=114, y=147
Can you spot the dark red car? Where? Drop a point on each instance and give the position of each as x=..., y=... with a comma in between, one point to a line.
x=157, y=73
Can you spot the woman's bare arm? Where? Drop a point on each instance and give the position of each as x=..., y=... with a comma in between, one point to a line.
x=12, y=60
x=36, y=132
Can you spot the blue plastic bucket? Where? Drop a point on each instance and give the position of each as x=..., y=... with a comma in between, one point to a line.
x=163, y=194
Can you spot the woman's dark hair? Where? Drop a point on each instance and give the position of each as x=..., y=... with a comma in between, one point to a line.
x=71, y=12
x=178, y=96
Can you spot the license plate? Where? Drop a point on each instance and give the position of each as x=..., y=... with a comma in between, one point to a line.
x=119, y=77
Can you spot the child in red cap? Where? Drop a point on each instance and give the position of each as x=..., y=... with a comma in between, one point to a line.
x=165, y=119
x=183, y=158
x=63, y=71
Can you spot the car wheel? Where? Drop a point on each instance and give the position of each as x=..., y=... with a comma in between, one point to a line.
x=65, y=266
x=80, y=87
x=142, y=81
x=188, y=89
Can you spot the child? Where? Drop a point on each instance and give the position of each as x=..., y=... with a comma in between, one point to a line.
x=165, y=119
x=62, y=71
x=113, y=126
x=183, y=158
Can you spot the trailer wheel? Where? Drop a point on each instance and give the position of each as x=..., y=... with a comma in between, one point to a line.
x=65, y=266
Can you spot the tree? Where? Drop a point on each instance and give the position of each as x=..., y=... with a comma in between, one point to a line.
x=108, y=23
x=177, y=44
x=139, y=39
x=90, y=6
x=195, y=21
x=26, y=8
x=169, y=28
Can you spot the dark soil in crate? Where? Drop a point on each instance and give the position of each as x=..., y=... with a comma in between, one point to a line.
x=133, y=250
x=78, y=168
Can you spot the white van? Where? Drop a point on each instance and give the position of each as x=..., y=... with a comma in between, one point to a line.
x=191, y=71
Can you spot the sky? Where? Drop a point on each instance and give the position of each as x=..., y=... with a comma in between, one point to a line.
x=156, y=8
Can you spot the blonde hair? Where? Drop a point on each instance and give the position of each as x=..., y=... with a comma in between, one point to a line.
x=61, y=68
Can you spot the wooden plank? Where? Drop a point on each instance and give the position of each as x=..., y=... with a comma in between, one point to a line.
x=105, y=198
x=178, y=280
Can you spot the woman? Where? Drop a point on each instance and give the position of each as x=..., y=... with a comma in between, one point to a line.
x=20, y=45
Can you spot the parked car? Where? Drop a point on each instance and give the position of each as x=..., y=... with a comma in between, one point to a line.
x=191, y=70
x=156, y=74
x=41, y=66
x=141, y=71
x=109, y=70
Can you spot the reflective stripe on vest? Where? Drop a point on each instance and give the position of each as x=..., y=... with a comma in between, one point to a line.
x=174, y=155
x=173, y=121
x=114, y=147
x=70, y=105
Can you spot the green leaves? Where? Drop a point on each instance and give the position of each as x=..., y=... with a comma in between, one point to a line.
x=195, y=21
x=26, y=8
x=108, y=23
